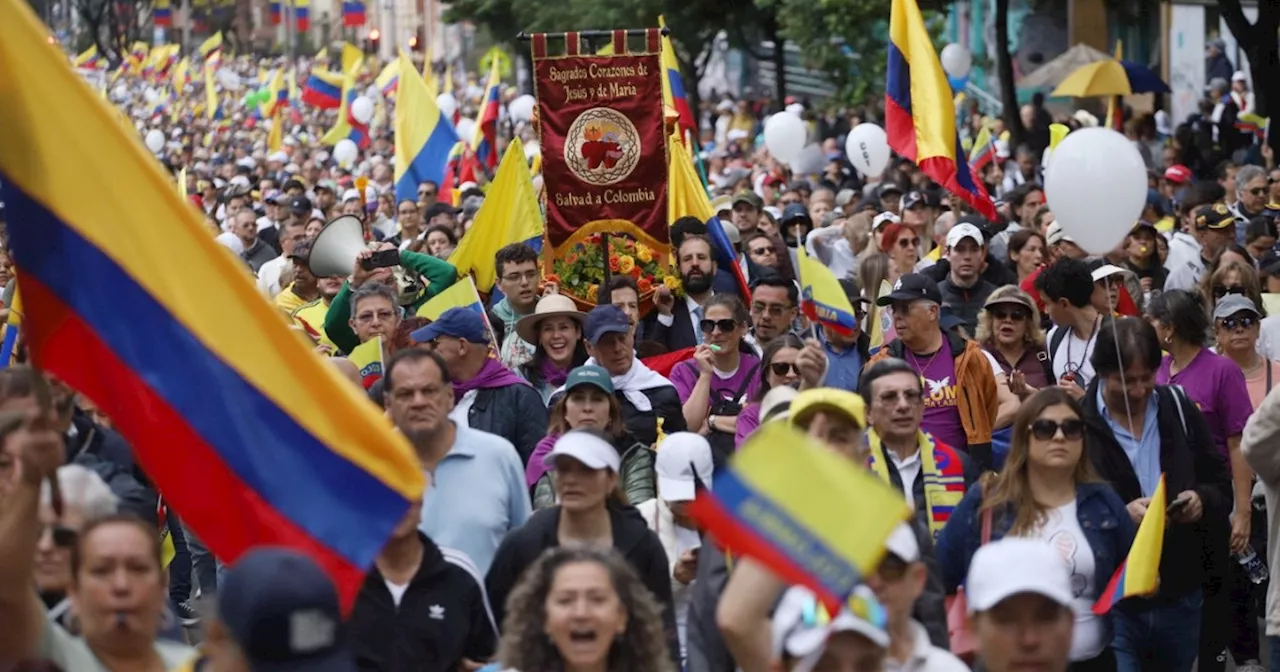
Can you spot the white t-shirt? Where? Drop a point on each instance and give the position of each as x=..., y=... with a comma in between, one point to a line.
x=1073, y=354
x=397, y=590
x=461, y=413
x=1063, y=533
x=908, y=470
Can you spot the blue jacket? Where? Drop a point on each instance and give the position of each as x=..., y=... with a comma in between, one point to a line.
x=1101, y=513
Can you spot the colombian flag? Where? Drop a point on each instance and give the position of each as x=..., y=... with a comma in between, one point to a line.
x=686, y=197
x=274, y=8
x=920, y=117
x=285, y=447
x=486, y=138
x=389, y=78
x=673, y=94
x=509, y=214
x=88, y=58
x=162, y=14
x=12, y=331
x=211, y=49
x=461, y=294
x=984, y=151
x=323, y=89
x=813, y=517
x=279, y=89
x=822, y=299
x=368, y=360
x=302, y=12
x=353, y=13
x=1139, y=574
x=422, y=135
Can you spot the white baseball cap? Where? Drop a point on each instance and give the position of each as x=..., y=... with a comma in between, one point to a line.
x=801, y=628
x=587, y=448
x=902, y=542
x=776, y=404
x=884, y=219
x=350, y=195
x=1106, y=270
x=682, y=456
x=1055, y=235
x=964, y=230
x=1016, y=565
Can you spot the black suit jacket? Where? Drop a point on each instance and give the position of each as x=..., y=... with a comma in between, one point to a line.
x=679, y=335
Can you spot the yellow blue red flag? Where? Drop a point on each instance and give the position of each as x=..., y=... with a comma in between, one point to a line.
x=389, y=78
x=323, y=89
x=368, y=360
x=485, y=141
x=284, y=446
x=88, y=58
x=919, y=115
x=810, y=515
x=1139, y=574
x=423, y=136
x=461, y=294
x=822, y=299
x=673, y=93
x=509, y=214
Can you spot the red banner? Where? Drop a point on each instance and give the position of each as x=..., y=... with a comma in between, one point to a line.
x=604, y=149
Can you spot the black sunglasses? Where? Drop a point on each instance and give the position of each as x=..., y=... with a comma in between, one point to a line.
x=1220, y=291
x=63, y=536
x=725, y=326
x=1047, y=429
x=781, y=368
x=1258, y=191
x=1015, y=314
x=1233, y=323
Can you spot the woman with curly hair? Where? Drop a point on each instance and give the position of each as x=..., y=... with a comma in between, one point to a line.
x=582, y=609
x=1009, y=330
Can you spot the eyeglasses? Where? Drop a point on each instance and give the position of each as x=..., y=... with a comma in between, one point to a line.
x=774, y=309
x=912, y=397
x=381, y=316
x=527, y=276
x=781, y=368
x=1001, y=315
x=63, y=536
x=763, y=250
x=1233, y=323
x=1258, y=191
x=725, y=326
x=1220, y=291
x=1044, y=430
x=908, y=243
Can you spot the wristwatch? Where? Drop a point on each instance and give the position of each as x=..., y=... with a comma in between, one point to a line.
x=711, y=422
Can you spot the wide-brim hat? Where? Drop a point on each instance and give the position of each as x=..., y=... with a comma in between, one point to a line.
x=552, y=305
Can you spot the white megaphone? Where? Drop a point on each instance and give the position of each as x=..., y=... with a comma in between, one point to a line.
x=334, y=251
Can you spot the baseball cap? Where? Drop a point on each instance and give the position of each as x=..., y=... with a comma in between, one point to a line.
x=328, y=185
x=463, y=323
x=1055, y=234
x=1106, y=271
x=301, y=251
x=964, y=230
x=794, y=212
x=589, y=375
x=587, y=448
x=683, y=459
x=912, y=199
x=1178, y=174
x=948, y=319
x=776, y=404
x=889, y=188
x=731, y=232
x=274, y=197
x=606, y=319
x=748, y=197
x=1234, y=303
x=720, y=203
x=282, y=610
x=884, y=219
x=1214, y=216
x=1013, y=566
x=300, y=205
x=912, y=287
x=801, y=626
x=903, y=544
x=1010, y=294
x=1239, y=76
x=350, y=195
x=844, y=402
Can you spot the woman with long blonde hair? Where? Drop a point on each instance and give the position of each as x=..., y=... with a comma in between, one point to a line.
x=1009, y=330
x=1048, y=490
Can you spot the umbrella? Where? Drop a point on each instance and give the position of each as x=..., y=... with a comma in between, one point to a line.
x=1110, y=78
x=1052, y=73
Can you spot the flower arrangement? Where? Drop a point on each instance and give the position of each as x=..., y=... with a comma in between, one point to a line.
x=581, y=270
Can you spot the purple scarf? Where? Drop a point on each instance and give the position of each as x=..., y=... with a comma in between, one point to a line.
x=491, y=376
x=553, y=375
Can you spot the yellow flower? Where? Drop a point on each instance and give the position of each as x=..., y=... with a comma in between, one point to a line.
x=643, y=253
x=626, y=263
x=672, y=283
x=593, y=290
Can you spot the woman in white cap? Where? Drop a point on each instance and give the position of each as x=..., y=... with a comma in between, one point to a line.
x=592, y=510
x=555, y=330
x=684, y=460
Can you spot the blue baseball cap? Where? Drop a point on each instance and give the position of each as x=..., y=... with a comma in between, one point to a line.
x=282, y=610
x=606, y=319
x=463, y=323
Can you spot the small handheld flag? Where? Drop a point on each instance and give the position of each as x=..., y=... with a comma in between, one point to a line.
x=822, y=299
x=1139, y=574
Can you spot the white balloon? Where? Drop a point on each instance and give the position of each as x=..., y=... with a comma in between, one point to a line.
x=532, y=149
x=229, y=80
x=362, y=109
x=447, y=104
x=868, y=149
x=784, y=136
x=151, y=95
x=466, y=129
x=120, y=92
x=345, y=152
x=956, y=60
x=1096, y=185
x=521, y=109
x=155, y=140
x=810, y=161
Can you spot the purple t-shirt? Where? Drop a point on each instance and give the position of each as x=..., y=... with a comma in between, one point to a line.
x=685, y=376
x=1217, y=386
x=941, y=410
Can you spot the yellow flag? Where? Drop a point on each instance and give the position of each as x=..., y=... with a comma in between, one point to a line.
x=368, y=359
x=352, y=57
x=685, y=195
x=275, y=138
x=509, y=214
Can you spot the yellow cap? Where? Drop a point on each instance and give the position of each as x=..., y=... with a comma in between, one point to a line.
x=829, y=399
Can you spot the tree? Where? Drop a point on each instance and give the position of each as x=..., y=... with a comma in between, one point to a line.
x=1004, y=69
x=1258, y=40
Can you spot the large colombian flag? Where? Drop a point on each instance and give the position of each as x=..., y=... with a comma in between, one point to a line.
x=423, y=136
x=673, y=92
x=323, y=89
x=812, y=516
x=287, y=452
x=919, y=111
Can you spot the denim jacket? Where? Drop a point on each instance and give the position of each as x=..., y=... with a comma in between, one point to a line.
x=1102, y=515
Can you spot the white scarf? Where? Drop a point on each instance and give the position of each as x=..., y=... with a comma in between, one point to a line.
x=633, y=383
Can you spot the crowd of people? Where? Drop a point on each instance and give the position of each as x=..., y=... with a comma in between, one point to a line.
x=1024, y=397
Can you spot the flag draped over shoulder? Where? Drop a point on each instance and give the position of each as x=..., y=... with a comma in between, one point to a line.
x=283, y=445
x=920, y=117
x=509, y=214
x=423, y=136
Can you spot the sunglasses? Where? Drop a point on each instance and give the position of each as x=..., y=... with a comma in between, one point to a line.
x=907, y=243
x=1220, y=291
x=1044, y=430
x=781, y=368
x=63, y=537
x=725, y=326
x=1258, y=191
x=762, y=250
x=1233, y=323
x=1015, y=315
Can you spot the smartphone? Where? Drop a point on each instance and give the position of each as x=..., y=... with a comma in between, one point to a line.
x=1176, y=505
x=382, y=259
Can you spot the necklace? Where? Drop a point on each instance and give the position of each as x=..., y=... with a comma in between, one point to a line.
x=1071, y=366
x=916, y=359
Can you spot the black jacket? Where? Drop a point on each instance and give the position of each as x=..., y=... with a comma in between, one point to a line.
x=679, y=335
x=965, y=302
x=515, y=412
x=442, y=618
x=631, y=537
x=106, y=453
x=1189, y=461
x=996, y=273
